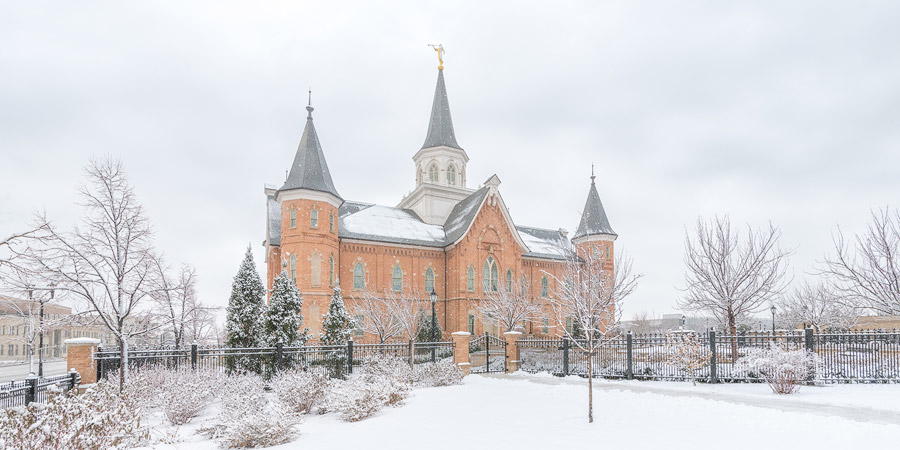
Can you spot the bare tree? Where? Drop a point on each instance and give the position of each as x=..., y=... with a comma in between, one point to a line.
x=731, y=275
x=13, y=247
x=108, y=262
x=869, y=278
x=589, y=295
x=642, y=323
x=407, y=309
x=174, y=298
x=511, y=308
x=816, y=306
x=378, y=317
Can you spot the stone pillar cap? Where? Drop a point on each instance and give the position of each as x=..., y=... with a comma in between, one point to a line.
x=461, y=333
x=82, y=341
x=512, y=332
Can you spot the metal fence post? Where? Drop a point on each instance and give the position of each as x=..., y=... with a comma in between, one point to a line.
x=99, y=364
x=350, y=356
x=810, y=344
x=629, y=346
x=30, y=394
x=194, y=356
x=279, y=356
x=73, y=378
x=565, y=349
x=487, y=352
x=713, y=375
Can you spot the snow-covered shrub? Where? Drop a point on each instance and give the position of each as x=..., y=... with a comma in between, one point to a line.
x=358, y=398
x=101, y=417
x=247, y=418
x=300, y=391
x=441, y=373
x=684, y=351
x=782, y=369
x=386, y=367
x=188, y=393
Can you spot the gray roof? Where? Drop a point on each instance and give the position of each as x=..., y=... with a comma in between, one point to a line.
x=440, y=128
x=593, y=219
x=309, y=170
x=273, y=224
x=544, y=243
x=463, y=214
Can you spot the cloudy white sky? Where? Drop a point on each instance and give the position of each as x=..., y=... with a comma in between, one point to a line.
x=781, y=111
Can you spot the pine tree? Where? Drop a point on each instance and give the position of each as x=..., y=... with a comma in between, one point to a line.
x=425, y=332
x=337, y=326
x=243, y=325
x=284, y=317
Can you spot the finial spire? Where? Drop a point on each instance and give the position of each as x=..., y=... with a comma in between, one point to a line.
x=309, y=108
x=439, y=49
x=592, y=173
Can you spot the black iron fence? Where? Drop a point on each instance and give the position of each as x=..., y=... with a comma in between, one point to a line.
x=870, y=356
x=35, y=389
x=330, y=360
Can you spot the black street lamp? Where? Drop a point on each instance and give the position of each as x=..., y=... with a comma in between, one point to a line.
x=773, y=319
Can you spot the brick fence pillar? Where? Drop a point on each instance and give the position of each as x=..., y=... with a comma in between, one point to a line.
x=512, y=350
x=80, y=356
x=461, y=350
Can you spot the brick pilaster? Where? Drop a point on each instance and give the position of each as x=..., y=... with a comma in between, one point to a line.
x=512, y=350
x=80, y=356
x=461, y=350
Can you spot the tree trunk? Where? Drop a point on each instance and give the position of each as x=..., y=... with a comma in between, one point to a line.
x=590, y=367
x=732, y=330
x=123, y=362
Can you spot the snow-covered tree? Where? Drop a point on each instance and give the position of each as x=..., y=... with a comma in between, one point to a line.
x=731, y=275
x=407, y=308
x=868, y=277
x=243, y=323
x=377, y=317
x=284, y=318
x=684, y=351
x=175, y=299
x=511, y=308
x=589, y=295
x=426, y=331
x=337, y=325
x=816, y=306
x=107, y=262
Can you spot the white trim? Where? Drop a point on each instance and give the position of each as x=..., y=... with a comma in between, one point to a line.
x=82, y=341
x=512, y=332
x=309, y=194
x=461, y=333
x=594, y=238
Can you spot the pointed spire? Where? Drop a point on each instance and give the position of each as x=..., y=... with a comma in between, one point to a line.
x=309, y=170
x=440, y=128
x=593, y=219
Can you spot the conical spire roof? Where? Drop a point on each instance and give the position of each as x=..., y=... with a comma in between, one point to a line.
x=309, y=170
x=440, y=128
x=593, y=218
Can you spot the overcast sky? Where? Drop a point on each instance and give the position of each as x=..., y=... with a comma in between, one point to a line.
x=774, y=111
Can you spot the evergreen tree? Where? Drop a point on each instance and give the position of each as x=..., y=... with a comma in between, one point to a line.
x=425, y=332
x=337, y=326
x=243, y=324
x=284, y=317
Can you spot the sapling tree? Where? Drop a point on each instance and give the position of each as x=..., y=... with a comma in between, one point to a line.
x=175, y=299
x=408, y=308
x=589, y=295
x=243, y=322
x=816, y=306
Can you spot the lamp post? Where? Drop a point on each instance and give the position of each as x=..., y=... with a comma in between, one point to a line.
x=433, y=297
x=773, y=319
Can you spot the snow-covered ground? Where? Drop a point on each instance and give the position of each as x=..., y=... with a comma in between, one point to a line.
x=541, y=411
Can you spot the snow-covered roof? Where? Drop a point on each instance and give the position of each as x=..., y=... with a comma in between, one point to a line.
x=544, y=243
x=463, y=214
x=273, y=224
x=387, y=224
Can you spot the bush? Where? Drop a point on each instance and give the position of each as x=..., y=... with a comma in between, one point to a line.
x=358, y=397
x=441, y=373
x=391, y=367
x=782, y=369
x=188, y=393
x=247, y=418
x=101, y=417
x=300, y=392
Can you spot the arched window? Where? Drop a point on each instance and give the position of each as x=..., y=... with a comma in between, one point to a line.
x=433, y=173
x=293, y=269
x=470, y=279
x=523, y=285
x=293, y=218
x=397, y=278
x=508, y=280
x=545, y=284
x=315, y=269
x=429, y=281
x=314, y=218
x=331, y=270
x=359, y=276
x=451, y=175
x=490, y=275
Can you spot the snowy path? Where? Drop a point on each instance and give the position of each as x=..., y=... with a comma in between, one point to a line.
x=889, y=414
